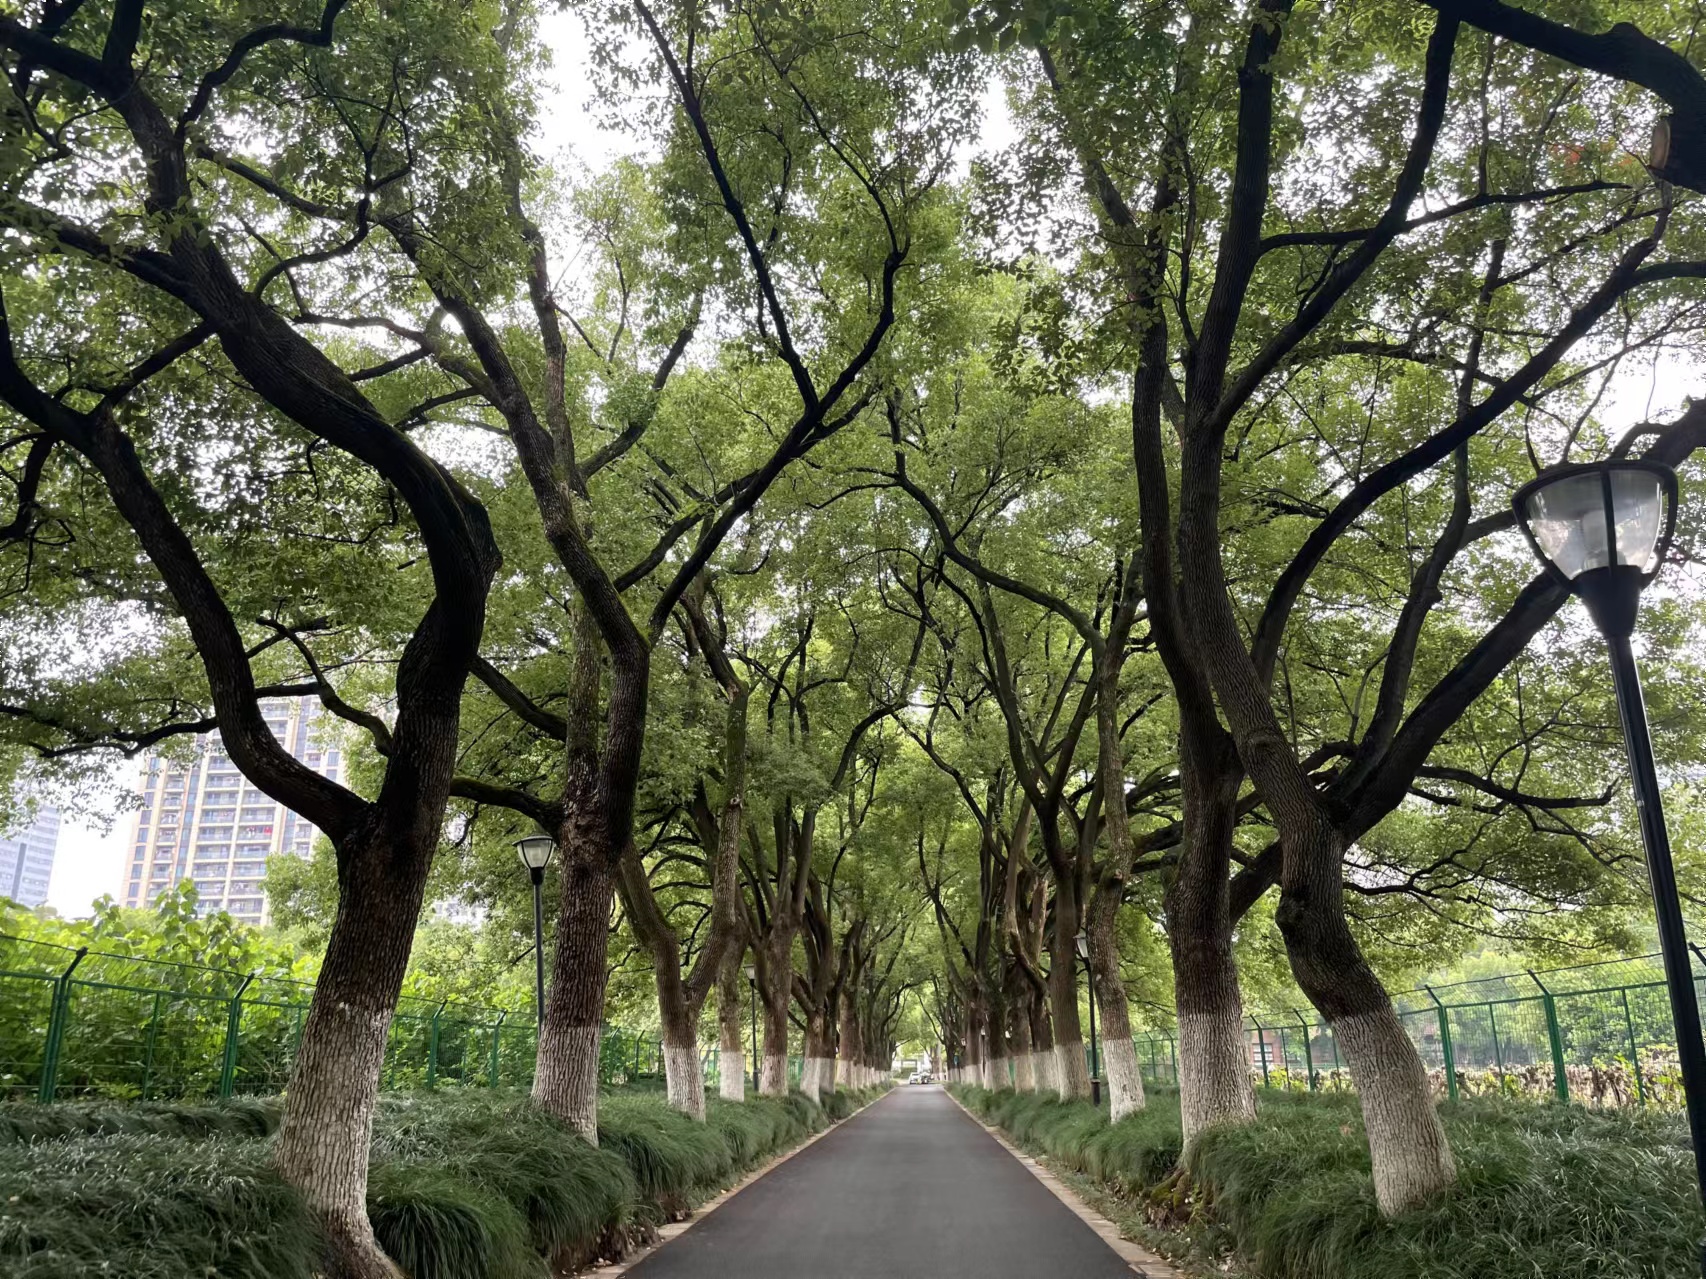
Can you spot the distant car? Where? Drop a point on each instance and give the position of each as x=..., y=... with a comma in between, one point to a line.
x=919, y=1077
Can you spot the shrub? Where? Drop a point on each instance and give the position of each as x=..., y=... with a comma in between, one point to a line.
x=150, y=1207
x=673, y=1157
x=1559, y=1191
x=241, y=1117
x=463, y=1185
x=437, y=1223
x=755, y=1128
x=568, y=1195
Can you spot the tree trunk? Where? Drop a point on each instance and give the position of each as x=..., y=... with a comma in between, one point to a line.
x=731, y=1040
x=849, y=1041
x=773, y=1071
x=1214, y=1058
x=1119, y=1056
x=1024, y=1056
x=995, y=1054
x=565, y=1081
x=1072, y=1072
x=1046, y=1070
x=323, y=1141
x=1407, y=1144
x=811, y=1076
x=684, y=1080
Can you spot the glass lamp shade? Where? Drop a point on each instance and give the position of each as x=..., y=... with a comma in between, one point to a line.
x=1082, y=942
x=1613, y=514
x=535, y=851
x=751, y=972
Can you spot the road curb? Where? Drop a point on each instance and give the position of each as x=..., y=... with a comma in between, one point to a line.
x=1140, y=1259
x=675, y=1229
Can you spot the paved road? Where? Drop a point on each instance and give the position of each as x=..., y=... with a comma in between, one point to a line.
x=910, y=1189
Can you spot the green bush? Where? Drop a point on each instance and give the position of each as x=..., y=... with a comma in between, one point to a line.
x=149, y=1207
x=469, y=1184
x=241, y=1117
x=1555, y=1191
x=673, y=1157
x=755, y=1128
x=567, y=1194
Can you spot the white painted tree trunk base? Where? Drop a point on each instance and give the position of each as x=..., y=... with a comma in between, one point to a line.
x=1024, y=1072
x=731, y=1075
x=684, y=1080
x=1407, y=1145
x=1046, y=1078
x=1072, y=1072
x=818, y=1069
x=773, y=1076
x=1214, y=1073
x=570, y=1089
x=1125, y=1079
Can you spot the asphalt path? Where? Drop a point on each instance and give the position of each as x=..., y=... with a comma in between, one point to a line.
x=910, y=1188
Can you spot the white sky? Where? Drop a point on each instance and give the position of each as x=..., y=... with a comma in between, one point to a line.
x=90, y=861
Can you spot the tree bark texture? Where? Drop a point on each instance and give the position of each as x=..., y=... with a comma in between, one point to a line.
x=1407, y=1143
x=1072, y=1071
x=566, y=1077
x=1214, y=1057
x=328, y=1119
x=1119, y=1056
x=731, y=1037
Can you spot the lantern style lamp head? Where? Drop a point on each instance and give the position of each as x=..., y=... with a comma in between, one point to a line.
x=1602, y=529
x=751, y=971
x=535, y=851
x=1082, y=942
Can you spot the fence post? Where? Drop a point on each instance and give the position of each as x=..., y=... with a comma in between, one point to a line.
x=432, y=1046
x=148, y=1052
x=1498, y=1054
x=1560, y=1081
x=233, y=1028
x=1173, y=1051
x=1634, y=1049
x=57, y=1015
x=1445, y=1044
x=497, y=1030
x=1308, y=1053
x=1261, y=1048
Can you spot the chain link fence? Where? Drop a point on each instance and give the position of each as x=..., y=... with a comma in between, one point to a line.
x=1600, y=1034
x=82, y=1023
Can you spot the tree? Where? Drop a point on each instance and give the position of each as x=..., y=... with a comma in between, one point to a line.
x=1302, y=290
x=168, y=263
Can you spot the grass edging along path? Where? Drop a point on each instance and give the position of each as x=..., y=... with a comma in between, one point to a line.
x=463, y=1185
x=675, y=1229
x=1555, y=1192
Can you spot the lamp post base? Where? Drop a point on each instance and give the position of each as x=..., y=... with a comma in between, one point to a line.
x=1095, y=1092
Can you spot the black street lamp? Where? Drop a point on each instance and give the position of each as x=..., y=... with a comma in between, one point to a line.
x=752, y=1006
x=1602, y=530
x=535, y=852
x=1083, y=944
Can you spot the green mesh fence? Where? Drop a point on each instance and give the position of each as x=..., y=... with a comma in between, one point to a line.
x=77, y=1023
x=1599, y=1034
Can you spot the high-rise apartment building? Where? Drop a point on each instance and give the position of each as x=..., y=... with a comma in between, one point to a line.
x=26, y=858
x=207, y=822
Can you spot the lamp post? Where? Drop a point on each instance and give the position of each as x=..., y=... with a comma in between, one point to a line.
x=752, y=1010
x=535, y=853
x=1082, y=942
x=1602, y=530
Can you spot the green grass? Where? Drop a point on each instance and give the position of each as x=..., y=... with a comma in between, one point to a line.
x=240, y=1117
x=149, y=1207
x=1552, y=1192
x=463, y=1184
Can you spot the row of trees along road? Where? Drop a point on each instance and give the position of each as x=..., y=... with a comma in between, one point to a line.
x=869, y=565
